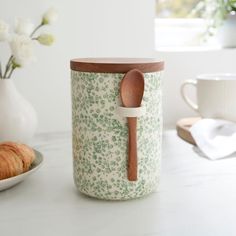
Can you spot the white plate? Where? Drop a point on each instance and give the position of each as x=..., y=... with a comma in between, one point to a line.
x=9, y=182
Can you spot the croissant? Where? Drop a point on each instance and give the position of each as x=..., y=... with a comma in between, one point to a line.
x=15, y=159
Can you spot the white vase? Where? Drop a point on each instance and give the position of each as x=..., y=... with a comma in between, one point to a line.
x=226, y=34
x=18, y=120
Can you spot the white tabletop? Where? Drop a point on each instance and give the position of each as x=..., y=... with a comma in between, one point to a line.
x=196, y=197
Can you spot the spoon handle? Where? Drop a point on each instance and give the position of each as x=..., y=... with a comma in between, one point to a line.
x=132, y=158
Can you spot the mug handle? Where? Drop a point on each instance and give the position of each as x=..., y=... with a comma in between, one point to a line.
x=189, y=102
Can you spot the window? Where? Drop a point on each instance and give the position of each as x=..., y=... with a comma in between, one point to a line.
x=175, y=8
x=177, y=26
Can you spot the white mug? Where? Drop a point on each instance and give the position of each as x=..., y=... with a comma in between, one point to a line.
x=216, y=95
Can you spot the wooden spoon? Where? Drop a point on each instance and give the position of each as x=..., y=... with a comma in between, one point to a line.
x=131, y=91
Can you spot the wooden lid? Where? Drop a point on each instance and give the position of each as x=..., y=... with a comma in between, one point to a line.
x=116, y=65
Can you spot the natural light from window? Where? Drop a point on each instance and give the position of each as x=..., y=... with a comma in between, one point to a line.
x=180, y=25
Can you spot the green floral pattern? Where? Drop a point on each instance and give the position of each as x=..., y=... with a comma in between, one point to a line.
x=100, y=137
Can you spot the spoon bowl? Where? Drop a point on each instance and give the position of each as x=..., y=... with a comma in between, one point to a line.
x=132, y=88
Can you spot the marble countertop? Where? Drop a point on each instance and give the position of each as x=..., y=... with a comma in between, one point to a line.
x=197, y=197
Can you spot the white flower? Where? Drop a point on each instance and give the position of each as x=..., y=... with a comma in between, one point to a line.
x=23, y=26
x=22, y=49
x=50, y=16
x=46, y=39
x=4, y=31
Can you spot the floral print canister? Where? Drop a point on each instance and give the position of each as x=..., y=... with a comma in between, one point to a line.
x=100, y=128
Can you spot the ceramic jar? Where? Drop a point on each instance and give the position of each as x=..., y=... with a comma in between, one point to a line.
x=100, y=132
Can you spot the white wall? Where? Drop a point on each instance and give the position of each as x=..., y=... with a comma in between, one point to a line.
x=104, y=28
x=86, y=28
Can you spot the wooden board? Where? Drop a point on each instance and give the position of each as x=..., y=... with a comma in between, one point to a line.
x=183, y=126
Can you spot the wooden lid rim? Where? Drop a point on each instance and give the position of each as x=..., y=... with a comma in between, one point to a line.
x=120, y=65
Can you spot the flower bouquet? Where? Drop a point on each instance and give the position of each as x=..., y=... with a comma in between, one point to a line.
x=18, y=119
x=22, y=41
